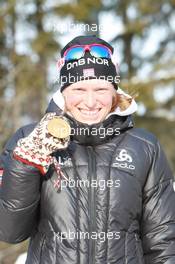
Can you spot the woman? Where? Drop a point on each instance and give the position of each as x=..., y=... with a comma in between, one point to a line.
x=104, y=193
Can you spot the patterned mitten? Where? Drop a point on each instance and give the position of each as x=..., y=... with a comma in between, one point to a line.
x=36, y=149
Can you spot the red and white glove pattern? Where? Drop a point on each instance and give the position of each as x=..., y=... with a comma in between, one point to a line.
x=36, y=149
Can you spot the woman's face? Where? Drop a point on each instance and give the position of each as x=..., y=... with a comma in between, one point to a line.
x=89, y=101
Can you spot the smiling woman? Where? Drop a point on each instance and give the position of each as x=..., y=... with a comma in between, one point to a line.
x=101, y=193
x=89, y=101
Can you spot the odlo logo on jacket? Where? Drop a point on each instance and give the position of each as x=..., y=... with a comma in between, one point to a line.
x=124, y=160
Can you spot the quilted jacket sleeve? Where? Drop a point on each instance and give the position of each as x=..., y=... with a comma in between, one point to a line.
x=19, y=195
x=158, y=222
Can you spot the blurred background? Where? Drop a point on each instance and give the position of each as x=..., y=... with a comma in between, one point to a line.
x=32, y=33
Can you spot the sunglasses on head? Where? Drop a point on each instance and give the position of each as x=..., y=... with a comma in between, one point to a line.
x=78, y=51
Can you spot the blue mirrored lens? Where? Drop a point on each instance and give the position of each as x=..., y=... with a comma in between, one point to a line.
x=74, y=53
x=99, y=51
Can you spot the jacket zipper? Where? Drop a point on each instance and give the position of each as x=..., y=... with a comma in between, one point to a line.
x=92, y=203
x=138, y=250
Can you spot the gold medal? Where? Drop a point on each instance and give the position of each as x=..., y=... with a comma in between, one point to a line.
x=59, y=127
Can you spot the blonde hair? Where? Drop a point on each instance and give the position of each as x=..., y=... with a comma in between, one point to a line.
x=122, y=101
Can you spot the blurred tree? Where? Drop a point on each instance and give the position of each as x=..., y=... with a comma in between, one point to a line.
x=85, y=12
x=24, y=75
x=140, y=20
x=3, y=66
x=44, y=46
x=7, y=73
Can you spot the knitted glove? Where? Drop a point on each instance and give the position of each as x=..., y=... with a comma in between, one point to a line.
x=37, y=147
